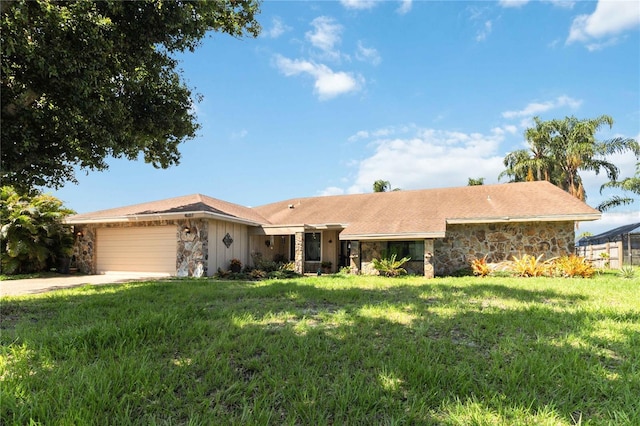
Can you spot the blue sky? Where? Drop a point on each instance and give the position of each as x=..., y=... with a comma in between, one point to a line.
x=336, y=94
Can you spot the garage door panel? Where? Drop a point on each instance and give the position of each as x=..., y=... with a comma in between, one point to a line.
x=137, y=249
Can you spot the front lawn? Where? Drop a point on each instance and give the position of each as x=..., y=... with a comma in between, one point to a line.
x=325, y=350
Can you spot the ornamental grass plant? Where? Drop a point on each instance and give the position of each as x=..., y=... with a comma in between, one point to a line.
x=333, y=349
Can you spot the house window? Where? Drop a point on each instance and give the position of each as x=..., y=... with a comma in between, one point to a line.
x=412, y=249
x=312, y=246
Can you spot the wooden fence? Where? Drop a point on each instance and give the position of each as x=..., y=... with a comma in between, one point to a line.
x=607, y=255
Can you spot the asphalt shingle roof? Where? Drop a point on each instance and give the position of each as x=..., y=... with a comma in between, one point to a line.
x=421, y=212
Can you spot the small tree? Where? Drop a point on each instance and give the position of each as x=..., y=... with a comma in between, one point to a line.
x=34, y=237
x=475, y=182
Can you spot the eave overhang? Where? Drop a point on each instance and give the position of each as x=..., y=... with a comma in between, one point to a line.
x=392, y=236
x=549, y=218
x=147, y=217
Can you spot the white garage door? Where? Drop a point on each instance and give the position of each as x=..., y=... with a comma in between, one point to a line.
x=140, y=249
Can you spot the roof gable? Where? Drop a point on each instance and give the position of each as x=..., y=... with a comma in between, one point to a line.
x=429, y=210
x=195, y=203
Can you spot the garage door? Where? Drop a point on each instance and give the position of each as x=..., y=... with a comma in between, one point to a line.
x=139, y=249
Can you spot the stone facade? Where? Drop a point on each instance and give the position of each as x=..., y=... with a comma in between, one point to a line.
x=83, y=257
x=191, y=252
x=193, y=248
x=299, y=252
x=501, y=241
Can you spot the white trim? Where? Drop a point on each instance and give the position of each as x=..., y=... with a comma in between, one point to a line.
x=388, y=237
x=162, y=216
x=503, y=219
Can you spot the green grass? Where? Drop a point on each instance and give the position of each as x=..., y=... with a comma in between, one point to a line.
x=326, y=350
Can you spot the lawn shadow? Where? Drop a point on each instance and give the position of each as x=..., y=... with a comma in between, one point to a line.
x=294, y=352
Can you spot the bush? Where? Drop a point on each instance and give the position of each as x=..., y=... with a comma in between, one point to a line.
x=627, y=271
x=480, y=267
x=390, y=267
x=529, y=266
x=573, y=266
x=33, y=235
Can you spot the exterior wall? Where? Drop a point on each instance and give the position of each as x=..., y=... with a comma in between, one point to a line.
x=278, y=246
x=83, y=257
x=299, y=252
x=193, y=248
x=219, y=254
x=354, y=258
x=370, y=250
x=191, y=254
x=501, y=241
x=429, y=269
x=330, y=249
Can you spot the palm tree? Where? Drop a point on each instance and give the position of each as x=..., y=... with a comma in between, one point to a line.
x=475, y=182
x=631, y=184
x=32, y=233
x=381, y=185
x=560, y=149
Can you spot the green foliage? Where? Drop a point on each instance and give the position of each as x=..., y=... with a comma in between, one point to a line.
x=85, y=80
x=528, y=265
x=390, y=266
x=627, y=271
x=480, y=267
x=347, y=350
x=630, y=184
x=33, y=235
x=475, y=182
x=573, y=266
x=560, y=149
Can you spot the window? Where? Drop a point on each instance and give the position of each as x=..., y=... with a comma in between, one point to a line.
x=412, y=249
x=312, y=246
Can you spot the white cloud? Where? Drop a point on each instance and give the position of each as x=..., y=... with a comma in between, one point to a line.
x=484, y=32
x=429, y=158
x=368, y=54
x=609, y=220
x=358, y=4
x=405, y=7
x=328, y=83
x=332, y=190
x=535, y=108
x=239, y=134
x=326, y=35
x=513, y=3
x=611, y=17
x=276, y=30
x=565, y=4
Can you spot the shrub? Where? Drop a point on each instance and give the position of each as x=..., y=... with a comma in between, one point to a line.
x=480, y=267
x=390, y=267
x=259, y=262
x=573, y=266
x=627, y=271
x=530, y=266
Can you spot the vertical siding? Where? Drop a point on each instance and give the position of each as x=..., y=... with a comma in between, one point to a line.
x=330, y=249
x=219, y=254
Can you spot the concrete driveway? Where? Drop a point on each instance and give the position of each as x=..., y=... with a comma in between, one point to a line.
x=41, y=285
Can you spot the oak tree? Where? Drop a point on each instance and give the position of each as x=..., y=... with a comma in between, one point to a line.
x=83, y=81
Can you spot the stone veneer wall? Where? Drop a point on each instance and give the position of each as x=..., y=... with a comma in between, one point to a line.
x=370, y=250
x=193, y=248
x=191, y=254
x=84, y=249
x=501, y=241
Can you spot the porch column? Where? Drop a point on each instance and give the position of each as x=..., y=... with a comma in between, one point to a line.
x=299, y=252
x=428, y=259
x=354, y=258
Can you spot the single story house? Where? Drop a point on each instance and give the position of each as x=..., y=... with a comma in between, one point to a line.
x=612, y=248
x=441, y=230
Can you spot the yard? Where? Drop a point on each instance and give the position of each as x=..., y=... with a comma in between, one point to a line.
x=326, y=350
